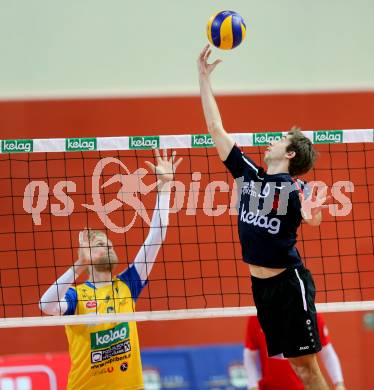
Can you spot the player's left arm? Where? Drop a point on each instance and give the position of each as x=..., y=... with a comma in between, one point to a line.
x=164, y=170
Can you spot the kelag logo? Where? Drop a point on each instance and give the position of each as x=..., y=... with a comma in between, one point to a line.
x=262, y=139
x=80, y=144
x=105, y=338
x=17, y=146
x=328, y=137
x=150, y=142
x=202, y=141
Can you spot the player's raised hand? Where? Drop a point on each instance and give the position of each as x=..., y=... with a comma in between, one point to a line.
x=84, y=256
x=204, y=68
x=312, y=206
x=165, y=167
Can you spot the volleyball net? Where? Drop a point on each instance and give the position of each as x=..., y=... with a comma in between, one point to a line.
x=53, y=188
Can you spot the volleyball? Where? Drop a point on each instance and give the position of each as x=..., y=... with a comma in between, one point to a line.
x=226, y=30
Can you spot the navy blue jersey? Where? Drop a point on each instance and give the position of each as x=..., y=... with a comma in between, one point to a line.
x=269, y=213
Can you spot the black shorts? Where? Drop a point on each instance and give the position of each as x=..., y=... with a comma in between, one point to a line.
x=286, y=312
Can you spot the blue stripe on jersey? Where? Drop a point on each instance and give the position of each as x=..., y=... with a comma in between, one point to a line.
x=71, y=298
x=132, y=279
x=236, y=30
x=216, y=27
x=89, y=284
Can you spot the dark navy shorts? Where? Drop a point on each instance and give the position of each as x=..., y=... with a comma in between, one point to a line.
x=286, y=312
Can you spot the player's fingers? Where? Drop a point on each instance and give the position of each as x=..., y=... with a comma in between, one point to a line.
x=215, y=63
x=157, y=155
x=207, y=54
x=322, y=196
x=177, y=163
x=328, y=198
x=85, y=237
x=150, y=165
x=203, y=52
x=173, y=154
x=165, y=154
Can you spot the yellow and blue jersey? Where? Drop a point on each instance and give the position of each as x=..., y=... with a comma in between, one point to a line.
x=105, y=356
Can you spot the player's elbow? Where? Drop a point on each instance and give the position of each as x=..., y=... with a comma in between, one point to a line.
x=215, y=127
x=45, y=307
x=49, y=308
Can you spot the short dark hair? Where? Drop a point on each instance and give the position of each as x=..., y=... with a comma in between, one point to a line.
x=305, y=154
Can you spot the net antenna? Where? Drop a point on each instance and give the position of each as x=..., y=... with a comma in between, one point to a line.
x=53, y=188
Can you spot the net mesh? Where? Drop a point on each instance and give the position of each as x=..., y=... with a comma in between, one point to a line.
x=48, y=197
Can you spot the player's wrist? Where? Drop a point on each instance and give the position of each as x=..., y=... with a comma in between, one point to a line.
x=164, y=188
x=78, y=268
x=339, y=386
x=204, y=78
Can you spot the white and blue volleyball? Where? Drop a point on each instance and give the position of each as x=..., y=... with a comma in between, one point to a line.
x=226, y=30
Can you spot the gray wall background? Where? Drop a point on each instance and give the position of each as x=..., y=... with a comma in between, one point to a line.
x=126, y=47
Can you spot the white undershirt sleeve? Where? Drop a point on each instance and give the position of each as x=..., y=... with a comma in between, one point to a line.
x=332, y=364
x=147, y=254
x=252, y=365
x=53, y=301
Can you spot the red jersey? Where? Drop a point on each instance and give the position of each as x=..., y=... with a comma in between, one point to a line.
x=277, y=374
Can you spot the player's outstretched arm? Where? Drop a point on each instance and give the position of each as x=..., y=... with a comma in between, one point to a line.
x=53, y=301
x=164, y=169
x=223, y=141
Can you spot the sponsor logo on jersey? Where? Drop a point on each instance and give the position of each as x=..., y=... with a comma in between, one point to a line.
x=148, y=142
x=96, y=356
x=105, y=338
x=272, y=225
x=202, y=141
x=80, y=144
x=17, y=145
x=91, y=304
x=115, y=352
x=103, y=370
x=124, y=366
x=328, y=137
x=254, y=189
